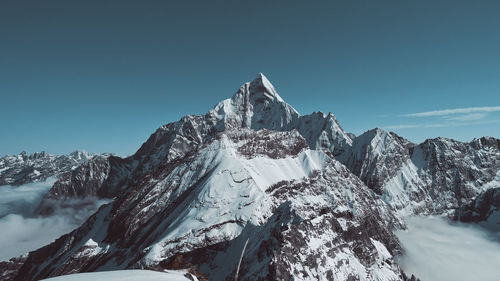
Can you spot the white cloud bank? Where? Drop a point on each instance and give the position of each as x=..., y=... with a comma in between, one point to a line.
x=439, y=251
x=20, y=235
x=23, y=199
x=21, y=231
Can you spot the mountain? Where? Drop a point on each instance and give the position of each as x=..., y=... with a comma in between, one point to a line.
x=22, y=168
x=376, y=156
x=434, y=177
x=235, y=187
x=293, y=196
x=483, y=209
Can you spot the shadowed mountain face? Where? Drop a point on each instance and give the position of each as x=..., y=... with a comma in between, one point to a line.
x=484, y=209
x=313, y=201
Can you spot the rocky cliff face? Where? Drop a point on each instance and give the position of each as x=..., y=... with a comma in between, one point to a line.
x=376, y=156
x=485, y=208
x=434, y=177
x=282, y=196
x=84, y=182
x=300, y=196
x=21, y=169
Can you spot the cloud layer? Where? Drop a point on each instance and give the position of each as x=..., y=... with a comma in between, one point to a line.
x=439, y=251
x=22, y=231
x=22, y=199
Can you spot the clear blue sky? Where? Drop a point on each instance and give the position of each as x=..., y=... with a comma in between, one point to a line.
x=103, y=75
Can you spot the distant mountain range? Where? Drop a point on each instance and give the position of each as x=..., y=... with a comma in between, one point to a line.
x=23, y=168
x=296, y=196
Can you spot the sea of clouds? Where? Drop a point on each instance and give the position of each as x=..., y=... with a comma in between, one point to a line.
x=22, y=230
x=438, y=250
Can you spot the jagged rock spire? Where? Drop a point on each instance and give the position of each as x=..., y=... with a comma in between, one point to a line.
x=261, y=86
x=256, y=105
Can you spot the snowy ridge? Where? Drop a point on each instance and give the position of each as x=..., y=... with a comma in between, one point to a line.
x=233, y=194
x=375, y=156
x=256, y=105
x=22, y=168
x=434, y=177
x=212, y=196
x=324, y=132
x=444, y=174
x=313, y=202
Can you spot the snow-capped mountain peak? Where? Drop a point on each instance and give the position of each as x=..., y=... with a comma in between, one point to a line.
x=253, y=170
x=256, y=105
x=261, y=83
x=80, y=154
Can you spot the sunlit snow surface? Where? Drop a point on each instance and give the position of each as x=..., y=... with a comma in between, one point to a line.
x=437, y=250
x=22, y=231
x=234, y=192
x=125, y=275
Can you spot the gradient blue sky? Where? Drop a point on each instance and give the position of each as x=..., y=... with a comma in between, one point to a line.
x=103, y=75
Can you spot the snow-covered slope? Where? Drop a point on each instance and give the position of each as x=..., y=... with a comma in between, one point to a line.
x=323, y=132
x=21, y=169
x=226, y=190
x=376, y=156
x=443, y=174
x=434, y=177
x=256, y=105
x=254, y=174
x=127, y=275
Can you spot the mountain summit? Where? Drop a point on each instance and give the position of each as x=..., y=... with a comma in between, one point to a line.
x=256, y=105
x=262, y=84
x=301, y=197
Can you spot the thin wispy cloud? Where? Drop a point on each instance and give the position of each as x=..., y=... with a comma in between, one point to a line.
x=457, y=117
x=410, y=126
x=445, y=112
x=468, y=117
x=443, y=124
